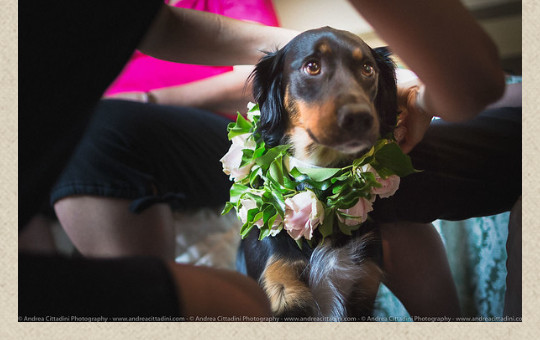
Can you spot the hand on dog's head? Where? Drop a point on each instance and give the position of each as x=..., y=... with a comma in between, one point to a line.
x=328, y=94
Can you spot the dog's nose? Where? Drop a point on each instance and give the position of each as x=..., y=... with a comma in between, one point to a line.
x=355, y=117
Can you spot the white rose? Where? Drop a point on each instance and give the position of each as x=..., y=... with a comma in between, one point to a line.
x=233, y=158
x=248, y=204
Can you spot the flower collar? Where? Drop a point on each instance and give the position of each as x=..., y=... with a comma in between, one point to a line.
x=274, y=191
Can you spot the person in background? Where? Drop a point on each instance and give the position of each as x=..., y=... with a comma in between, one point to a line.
x=70, y=52
x=125, y=179
x=219, y=89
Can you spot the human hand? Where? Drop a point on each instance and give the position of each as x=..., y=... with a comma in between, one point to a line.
x=413, y=121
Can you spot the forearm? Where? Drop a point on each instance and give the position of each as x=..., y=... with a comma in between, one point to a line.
x=224, y=93
x=196, y=37
x=442, y=43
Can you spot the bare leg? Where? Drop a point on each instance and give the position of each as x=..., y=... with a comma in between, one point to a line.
x=417, y=269
x=104, y=227
x=512, y=298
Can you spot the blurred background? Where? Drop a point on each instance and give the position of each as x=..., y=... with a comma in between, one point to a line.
x=500, y=18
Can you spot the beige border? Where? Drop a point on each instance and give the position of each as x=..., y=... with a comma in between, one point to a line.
x=8, y=165
x=10, y=329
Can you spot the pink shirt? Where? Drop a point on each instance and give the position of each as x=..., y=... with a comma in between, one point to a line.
x=145, y=73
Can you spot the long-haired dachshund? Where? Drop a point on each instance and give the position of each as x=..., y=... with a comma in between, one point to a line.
x=330, y=96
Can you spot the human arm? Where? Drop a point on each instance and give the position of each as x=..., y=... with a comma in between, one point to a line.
x=413, y=122
x=225, y=93
x=196, y=37
x=442, y=43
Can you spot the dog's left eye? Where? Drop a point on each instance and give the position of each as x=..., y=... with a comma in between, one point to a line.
x=312, y=68
x=367, y=70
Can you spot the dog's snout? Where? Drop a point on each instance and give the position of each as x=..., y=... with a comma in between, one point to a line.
x=355, y=117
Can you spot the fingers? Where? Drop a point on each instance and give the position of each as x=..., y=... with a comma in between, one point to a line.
x=413, y=122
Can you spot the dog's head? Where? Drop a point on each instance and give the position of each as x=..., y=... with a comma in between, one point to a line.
x=328, y=94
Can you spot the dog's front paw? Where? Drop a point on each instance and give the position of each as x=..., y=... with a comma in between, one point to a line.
x=284, y=284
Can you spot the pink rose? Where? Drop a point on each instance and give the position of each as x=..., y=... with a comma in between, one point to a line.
x=303, y=214
x=232, y=159
x=389, y=185
x=388, y=188
x=359, y=212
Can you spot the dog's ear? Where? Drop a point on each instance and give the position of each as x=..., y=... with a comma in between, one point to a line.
x=386, y=100
x=268, y=93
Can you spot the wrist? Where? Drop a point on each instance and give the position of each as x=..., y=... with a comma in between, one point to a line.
x=416, y=102
x=149, y=97
x=421, y=103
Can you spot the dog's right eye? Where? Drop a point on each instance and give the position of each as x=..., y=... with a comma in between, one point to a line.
x=312, y=68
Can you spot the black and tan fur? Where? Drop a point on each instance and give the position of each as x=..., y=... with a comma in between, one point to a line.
x=330, y=96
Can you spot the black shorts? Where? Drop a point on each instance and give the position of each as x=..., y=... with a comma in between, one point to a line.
x=469, y=169
x=149, y=154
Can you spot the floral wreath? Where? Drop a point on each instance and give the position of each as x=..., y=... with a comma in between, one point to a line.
x=266, y=193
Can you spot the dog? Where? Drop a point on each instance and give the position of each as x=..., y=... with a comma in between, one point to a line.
x=330, y=96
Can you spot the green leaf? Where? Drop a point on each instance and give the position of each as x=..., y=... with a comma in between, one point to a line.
x=327, y=227
x=265, y=232
x=365, y=159
x=391, y=157
x=267, y=159
x=241, y=127
x=298, y=176
x=254, y=175
x=320, y=185
x=275, y=171
x=346, y=200
x=341, y=178
x=319, y=174
x=227, y=208
x=272, y=220
x=254, y=108
x=278, y=201
x=247, y=156
x=246, y=228
x=344, y=186
x=259, y=151
x=236, y=191
x=344, y=228
x=251, y=214
x=258, y=216
x=268, y=211
x=258, y=199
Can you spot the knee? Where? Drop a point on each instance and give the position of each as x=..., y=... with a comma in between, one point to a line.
x=205, y=291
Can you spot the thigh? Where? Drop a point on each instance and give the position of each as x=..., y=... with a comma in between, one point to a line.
x=468, y=169
x=149, y=154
